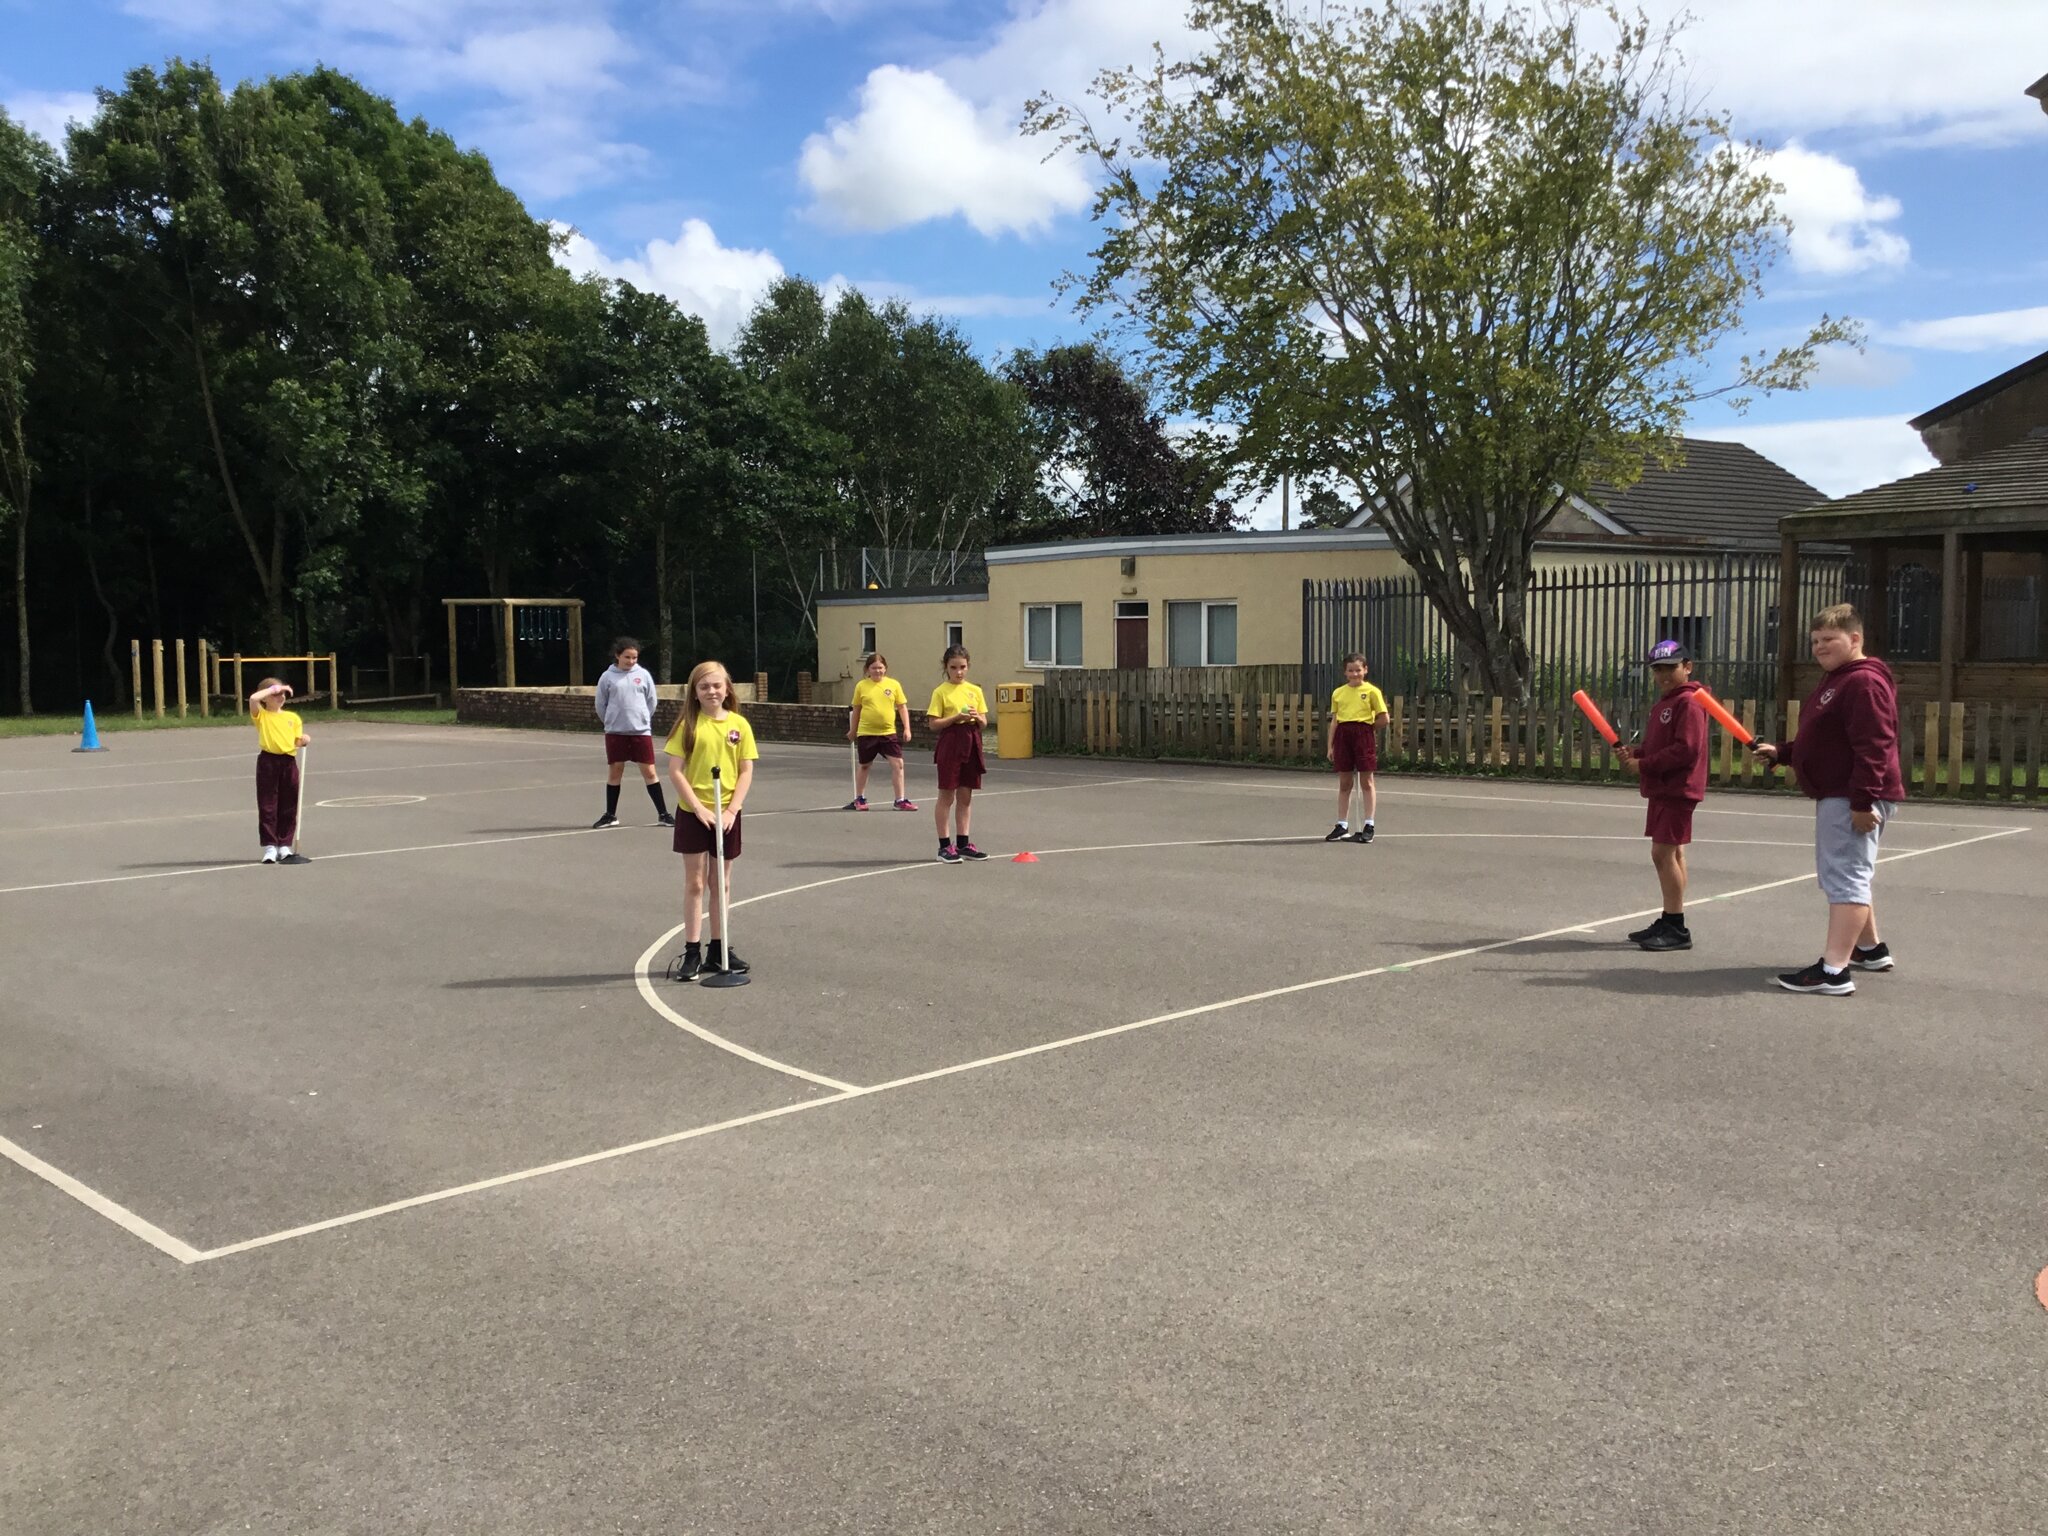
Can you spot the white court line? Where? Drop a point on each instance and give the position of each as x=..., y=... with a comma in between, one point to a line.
x=481, y=842
x=119, y=1215
x=325, y=858
x=979, y=1063
x=1260, y=786
x=325, y=772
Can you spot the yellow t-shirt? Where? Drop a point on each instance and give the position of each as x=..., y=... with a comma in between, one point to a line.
x=952, y=698
x=277, y=730
x=878, y=703
x=721, y=744
x=1365, y=702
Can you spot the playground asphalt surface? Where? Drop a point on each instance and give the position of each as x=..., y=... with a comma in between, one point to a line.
x=1520, y=1230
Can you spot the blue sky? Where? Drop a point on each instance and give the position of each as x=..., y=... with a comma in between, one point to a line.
x=704, y=147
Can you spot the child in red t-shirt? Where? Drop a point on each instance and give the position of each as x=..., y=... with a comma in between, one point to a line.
x=1671, y=768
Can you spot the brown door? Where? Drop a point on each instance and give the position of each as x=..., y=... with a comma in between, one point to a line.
x=1131, y=644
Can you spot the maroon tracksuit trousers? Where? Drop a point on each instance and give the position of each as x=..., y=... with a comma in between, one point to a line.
x=277, y=798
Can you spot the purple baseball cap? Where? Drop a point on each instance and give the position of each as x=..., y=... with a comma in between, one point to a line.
x=1669, y=653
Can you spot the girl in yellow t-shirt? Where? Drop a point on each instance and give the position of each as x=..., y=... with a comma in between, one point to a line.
x=878, y=723
x=709, y=735
x=957, y=713
x=279, y=735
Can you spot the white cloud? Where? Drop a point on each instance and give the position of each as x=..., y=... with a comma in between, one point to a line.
x=932, y=143
x=1839, y=455
x=1953, y=72
x=538, y=77
x=1975, y=333
x=919, y=150
x=46, y=113
x=719, y=284
x=1838, y=228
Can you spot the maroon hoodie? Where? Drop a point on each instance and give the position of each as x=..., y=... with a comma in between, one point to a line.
x=1673, y=756
x=1848, y=741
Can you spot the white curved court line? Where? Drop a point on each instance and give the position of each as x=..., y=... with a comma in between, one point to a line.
x=1020, y=1054
x=184, y=1253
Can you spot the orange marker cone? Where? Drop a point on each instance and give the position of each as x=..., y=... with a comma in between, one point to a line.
x=1025, y=858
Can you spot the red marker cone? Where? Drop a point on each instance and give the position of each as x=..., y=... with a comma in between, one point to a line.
x=1025, y=858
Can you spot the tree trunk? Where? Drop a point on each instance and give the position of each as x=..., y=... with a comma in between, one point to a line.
x=21, y=599
x=273, y=589
x=268, y=576
x=92, y=571
x=664, y=605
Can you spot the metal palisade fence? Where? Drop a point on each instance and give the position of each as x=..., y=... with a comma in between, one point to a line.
x=1588, y=626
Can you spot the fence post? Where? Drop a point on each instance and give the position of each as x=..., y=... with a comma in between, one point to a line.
x=179, y=652
x=206, y=679
x=334, y=682
x=1955, y=750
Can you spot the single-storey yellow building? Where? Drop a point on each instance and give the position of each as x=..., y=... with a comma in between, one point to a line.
x=1235, y=598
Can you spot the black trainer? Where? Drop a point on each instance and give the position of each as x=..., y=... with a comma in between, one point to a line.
x=668, y=818
x=947, y=854
x=967, y=850
x=1657, y=926
x=1338, y=833
x=688, y=965
x=1818, y=978
x=1876, y=958
x=1665, y=936
x=1363, y=834
x=606, y=820
x=716, y=959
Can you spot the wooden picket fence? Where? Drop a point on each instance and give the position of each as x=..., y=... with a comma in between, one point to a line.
x=1968, y=751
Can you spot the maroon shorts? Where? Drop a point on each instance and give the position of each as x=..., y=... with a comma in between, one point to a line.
x=959, y=759
x=628, y=749
x=1356, y=747
x=872, y=747
x=692, y=836
x=1669, y=820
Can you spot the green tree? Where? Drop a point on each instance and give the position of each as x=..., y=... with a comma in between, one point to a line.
x=1109, y=465
x=1461, y=259
x=26, y=166
x=916, y=445
x=240, y=235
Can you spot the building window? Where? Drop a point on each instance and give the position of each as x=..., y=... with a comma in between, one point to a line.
x=1201, y=634
x=1052, y=635
x=867, y=641
x=956, y=634
x=1690, y=630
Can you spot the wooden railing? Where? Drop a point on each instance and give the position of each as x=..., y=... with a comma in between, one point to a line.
x=1968, y=751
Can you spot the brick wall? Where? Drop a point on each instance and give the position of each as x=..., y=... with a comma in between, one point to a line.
x=553, y=710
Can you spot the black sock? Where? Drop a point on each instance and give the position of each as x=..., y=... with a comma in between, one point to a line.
x=654, y=794
x=692, y=947
x=945, y=842
x=611, y=799
x=1675, y=919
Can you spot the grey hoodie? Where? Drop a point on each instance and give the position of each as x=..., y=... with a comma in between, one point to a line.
x=625, y=701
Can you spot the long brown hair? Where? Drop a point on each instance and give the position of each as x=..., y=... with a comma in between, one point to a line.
x=692, y=709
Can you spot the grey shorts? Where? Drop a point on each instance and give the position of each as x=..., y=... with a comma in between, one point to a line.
x=1844, y=858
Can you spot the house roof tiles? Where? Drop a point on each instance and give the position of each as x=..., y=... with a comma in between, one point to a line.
x=1724, y=492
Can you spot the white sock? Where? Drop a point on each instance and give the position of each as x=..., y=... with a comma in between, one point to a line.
x=1368, y=821
x=1342, y=822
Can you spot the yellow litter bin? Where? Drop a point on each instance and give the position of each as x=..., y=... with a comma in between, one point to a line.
x=1013, y=719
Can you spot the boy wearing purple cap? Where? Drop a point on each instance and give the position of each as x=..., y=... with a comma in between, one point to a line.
x=1671, y=769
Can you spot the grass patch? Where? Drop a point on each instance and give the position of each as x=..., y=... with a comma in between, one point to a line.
x=124, y=724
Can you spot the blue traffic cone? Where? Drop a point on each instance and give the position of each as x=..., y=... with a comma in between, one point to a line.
x=90, y=741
